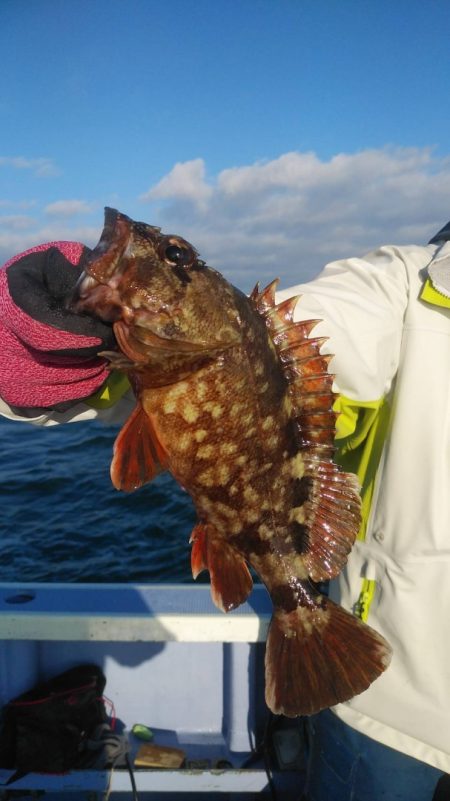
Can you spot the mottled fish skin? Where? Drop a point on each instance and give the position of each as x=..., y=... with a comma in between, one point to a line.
x=235, y=400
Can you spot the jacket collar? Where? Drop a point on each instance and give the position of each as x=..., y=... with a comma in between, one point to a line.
x=442, y=236
x=436, y=289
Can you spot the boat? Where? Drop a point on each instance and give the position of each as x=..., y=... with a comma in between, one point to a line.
x=173, y=663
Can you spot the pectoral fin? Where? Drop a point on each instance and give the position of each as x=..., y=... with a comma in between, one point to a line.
x=138, y=454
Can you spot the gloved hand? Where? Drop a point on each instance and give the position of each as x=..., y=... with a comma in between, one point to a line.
x=48, y=354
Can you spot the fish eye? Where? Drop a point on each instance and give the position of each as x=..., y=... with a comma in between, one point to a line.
x=175, y=254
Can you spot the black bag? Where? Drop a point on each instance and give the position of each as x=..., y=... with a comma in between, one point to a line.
x=47, y=729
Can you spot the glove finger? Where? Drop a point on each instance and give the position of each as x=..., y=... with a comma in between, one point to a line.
x=40, y=283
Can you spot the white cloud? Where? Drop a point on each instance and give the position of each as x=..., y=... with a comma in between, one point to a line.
x=59, y=221
x=67, y=208
x=15, y=222
x=41, y=167
x=290, y=215
x=15, y=240
x=285, y=217
x=186, y=181
x=16, y=204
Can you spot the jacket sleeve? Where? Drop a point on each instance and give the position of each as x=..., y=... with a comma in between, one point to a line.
x=361, y=303
x=111, y=405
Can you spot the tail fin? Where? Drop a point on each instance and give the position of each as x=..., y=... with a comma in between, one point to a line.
x=318, y=657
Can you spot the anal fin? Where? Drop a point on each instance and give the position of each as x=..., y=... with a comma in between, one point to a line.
x=138, y=454
x=231, y=582
x=199, y=552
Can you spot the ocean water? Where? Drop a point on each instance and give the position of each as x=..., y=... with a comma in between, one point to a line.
x=62, y=520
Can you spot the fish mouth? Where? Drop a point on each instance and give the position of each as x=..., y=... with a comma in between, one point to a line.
x=95, y=298
x=128, y=336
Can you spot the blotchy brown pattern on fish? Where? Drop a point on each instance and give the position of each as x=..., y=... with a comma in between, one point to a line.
x=235, y=400
x=229, y=448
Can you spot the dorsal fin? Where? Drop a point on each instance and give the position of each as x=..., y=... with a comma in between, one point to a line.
x=332, y=508
x=305, y=368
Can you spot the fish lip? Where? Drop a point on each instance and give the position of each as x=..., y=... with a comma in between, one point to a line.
x=84, y=284
x=156, y=342
x=80, y=299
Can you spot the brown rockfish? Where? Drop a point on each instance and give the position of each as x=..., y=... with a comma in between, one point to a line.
x=235, y=399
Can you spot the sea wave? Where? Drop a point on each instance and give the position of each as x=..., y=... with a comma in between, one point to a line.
x=62, y=520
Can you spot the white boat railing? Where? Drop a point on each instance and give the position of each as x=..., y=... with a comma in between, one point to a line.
x=127, y=613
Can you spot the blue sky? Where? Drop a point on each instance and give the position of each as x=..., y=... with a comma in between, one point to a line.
x=275, y=134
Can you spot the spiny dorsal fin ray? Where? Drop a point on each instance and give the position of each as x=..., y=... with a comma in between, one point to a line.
x=282, y=316
x=254, y=294
x=318, y=420
x=312, y=384
x=312, y=367
x=265, y=300
x=296, y=334
x=317, y=401
x=302, y=350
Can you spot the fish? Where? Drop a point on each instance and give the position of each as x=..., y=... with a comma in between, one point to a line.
x=235, y=399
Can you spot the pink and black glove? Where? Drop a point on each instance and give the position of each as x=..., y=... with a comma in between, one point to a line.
x=48, y=355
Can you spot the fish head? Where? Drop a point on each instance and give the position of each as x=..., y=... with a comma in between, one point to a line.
x=157, y=291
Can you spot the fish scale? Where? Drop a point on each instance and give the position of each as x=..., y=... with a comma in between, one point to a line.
x=236, y=400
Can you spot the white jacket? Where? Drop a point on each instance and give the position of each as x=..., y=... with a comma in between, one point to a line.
x=392, y=365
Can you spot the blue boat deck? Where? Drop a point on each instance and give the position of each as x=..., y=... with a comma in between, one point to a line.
x=172, y=661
